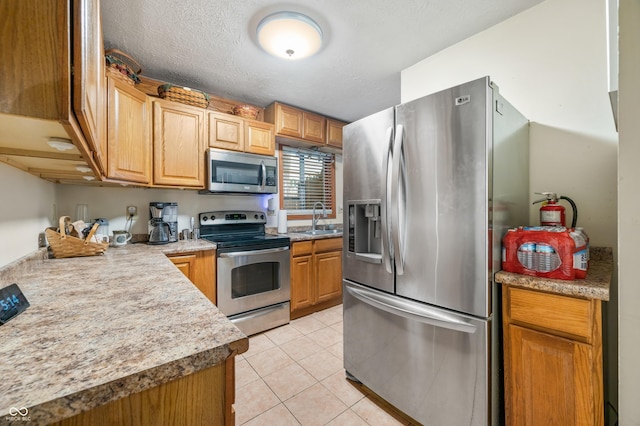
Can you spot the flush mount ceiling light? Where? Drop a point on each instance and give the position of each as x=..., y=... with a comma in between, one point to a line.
x=289, y=35
x=60, y=144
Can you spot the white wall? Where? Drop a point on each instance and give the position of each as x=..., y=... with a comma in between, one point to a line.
x=27, y=210
x=556, y=75
x=550, y=62
x=629, y=206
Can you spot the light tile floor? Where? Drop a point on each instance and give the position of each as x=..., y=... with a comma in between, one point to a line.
x=293, y=375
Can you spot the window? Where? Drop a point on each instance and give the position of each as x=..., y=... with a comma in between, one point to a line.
x=307, y=177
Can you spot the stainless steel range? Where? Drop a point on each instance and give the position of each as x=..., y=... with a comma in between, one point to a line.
x=253, y=287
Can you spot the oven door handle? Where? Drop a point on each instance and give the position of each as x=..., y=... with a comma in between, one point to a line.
x=253, y=252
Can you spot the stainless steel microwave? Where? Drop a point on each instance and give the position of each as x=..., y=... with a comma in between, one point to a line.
x=238, y=172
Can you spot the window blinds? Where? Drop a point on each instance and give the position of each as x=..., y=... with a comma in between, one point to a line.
x=307, y=177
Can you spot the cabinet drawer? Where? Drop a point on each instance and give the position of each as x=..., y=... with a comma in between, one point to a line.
x=328, y=244
x=560, y=314
x=301, y=248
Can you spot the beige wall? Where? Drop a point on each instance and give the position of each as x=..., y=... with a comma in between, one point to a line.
x=111, y=203
x=27, y=208
x=628, y=213
x=32, y=204
x=550, y=62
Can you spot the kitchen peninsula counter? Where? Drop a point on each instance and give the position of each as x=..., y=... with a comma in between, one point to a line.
x=104, y=327
x=594, y=286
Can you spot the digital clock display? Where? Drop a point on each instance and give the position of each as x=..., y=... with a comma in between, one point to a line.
x=12, y=302
x=235, y=216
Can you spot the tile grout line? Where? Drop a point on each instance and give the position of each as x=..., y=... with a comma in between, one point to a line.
x=304, y=333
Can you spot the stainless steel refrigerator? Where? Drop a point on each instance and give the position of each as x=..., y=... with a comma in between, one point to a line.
x=430, y=187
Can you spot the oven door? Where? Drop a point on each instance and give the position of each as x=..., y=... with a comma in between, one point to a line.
x=252, y=279
x=239, y=172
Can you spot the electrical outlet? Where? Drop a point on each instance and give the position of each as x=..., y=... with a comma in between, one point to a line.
x=42, y=240
x=132, y=211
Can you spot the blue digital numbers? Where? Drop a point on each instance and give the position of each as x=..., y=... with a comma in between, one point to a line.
x=12, y=302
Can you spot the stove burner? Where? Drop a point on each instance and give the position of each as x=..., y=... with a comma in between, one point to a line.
x=234, y=229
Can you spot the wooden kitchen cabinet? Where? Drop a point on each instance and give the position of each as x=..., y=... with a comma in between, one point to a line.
x=334, y=133
x=128, y=133
x=316, y=275
x=303, y=128
x=259, y=137
x=296, y=124
x=200, y=268
x=237, y=134
x=329, y=274
x=553, y=359
x=205, y=397
x=287, y=120
x=53, y=85
x=178, y=144
x=313, y=127
x=225, y=131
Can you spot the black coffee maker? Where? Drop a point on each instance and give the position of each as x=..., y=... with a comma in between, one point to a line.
x=163, y=223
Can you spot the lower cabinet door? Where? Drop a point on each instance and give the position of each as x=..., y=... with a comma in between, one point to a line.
x=549, y=380
x=329, y=275
x=200, y=268
x=186, y=264
x=301, y=282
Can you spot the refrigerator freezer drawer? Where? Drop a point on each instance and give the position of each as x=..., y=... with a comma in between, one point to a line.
x=430, y=363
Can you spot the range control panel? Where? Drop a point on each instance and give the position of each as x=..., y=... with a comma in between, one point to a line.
x=232, y=217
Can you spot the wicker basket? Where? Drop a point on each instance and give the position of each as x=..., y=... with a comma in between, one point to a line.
x=119, y=63
x=64, y=245
x=246, y=111
x=183, y=95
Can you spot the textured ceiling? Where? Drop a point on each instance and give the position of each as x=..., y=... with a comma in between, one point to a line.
x=211, y=45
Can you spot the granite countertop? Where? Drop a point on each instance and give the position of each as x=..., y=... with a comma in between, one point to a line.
x=100, y=328
x=297, y=233
x=594, y=286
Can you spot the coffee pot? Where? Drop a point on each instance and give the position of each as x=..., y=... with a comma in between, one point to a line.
x=159, y=233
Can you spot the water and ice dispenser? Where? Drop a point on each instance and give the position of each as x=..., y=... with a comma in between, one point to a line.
x=365, y=230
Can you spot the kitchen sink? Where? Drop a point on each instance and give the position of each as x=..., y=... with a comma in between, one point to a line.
x=321, y=232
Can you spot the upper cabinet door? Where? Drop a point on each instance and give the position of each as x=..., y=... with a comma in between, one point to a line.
x=334, y=133
x=89, y=103
x=178, y=144
x=226, y=131
x=129, y=133
x=313, y=126
x=259, y=137
x=288, y=121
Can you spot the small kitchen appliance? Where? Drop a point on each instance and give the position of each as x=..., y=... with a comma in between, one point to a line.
x=238, y=172
x=167, y=212
x=253, y=287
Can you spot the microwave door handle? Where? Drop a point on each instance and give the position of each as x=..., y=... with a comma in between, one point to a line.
x=263, y=170
x=384, y=208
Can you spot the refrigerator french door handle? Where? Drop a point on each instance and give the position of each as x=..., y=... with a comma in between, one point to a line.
x=395, y=203
x=410, y=310
x=386, y=244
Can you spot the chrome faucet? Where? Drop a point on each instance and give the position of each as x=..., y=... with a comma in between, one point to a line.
x=314, y=220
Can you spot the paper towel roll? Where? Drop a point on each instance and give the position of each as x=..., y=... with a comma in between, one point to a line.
x=282, y=222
